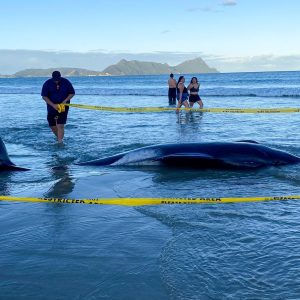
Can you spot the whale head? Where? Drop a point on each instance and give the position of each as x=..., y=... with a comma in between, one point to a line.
x=254, y=155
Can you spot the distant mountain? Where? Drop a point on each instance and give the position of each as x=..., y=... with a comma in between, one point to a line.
x=135, y=67
x=197, y=65
x=124, y=67
x=66, y=72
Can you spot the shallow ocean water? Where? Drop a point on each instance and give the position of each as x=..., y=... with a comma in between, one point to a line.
x=226, y=251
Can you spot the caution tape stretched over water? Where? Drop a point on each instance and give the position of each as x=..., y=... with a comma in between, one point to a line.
x=149, y=201
x=61, y=108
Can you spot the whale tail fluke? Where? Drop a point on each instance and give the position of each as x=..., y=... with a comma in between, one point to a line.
x=13, y=167
x=5, y=162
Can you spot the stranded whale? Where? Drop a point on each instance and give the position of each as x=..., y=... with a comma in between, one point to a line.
x=242, y=154
x=5, y=162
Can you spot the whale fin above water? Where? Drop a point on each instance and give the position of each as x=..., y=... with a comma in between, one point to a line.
x=5, y=163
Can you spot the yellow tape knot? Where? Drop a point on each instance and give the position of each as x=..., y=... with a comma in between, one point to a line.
x=61, y=108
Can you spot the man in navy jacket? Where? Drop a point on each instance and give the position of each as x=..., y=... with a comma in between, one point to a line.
x=57, y=90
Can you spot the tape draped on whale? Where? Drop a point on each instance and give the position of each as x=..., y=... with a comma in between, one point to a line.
x=241, y=154
x=5, y=162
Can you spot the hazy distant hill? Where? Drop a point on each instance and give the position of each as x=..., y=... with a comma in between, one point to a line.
x=124, y=67
x=135, y=67
x=68, y=72
x=197, y=65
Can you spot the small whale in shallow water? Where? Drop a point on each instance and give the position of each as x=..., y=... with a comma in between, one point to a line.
x=5, y=162
x=241, y=154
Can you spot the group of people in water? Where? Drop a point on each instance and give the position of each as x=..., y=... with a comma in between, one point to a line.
x=59, y=90
x=186, y=96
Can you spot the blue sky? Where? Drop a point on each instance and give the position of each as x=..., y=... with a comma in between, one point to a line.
x=217, y=30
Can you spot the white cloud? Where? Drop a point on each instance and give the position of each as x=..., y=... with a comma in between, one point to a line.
x=229, y=2
x=255, y=63
x=202, y=9
x=211, y=9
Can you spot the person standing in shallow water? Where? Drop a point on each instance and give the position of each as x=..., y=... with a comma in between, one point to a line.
x=193, y=88
x=182, y=93
x=172, y=90
x=57, y=90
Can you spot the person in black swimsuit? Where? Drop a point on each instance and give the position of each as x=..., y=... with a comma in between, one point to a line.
x=193, y=88
x=182, y=93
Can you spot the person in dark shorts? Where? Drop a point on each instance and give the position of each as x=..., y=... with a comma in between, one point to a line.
x=57, y=90
x=193, y=88
x=182, y=94
x=172, y=90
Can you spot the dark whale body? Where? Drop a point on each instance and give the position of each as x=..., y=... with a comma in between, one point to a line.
x=242, y=154
x=5, y=163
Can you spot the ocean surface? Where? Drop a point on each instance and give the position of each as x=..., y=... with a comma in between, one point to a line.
x=225, y=251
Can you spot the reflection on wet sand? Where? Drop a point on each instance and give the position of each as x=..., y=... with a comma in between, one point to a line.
x=64, y=184
x=5, y=179
x=189, y=117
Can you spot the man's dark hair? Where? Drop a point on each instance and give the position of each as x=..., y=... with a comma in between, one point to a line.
x=56, y=76
x=171, y=75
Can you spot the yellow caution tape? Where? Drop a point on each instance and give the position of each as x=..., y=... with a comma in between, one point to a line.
x=164, y=109
x=148, y=201
x=123, y=109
